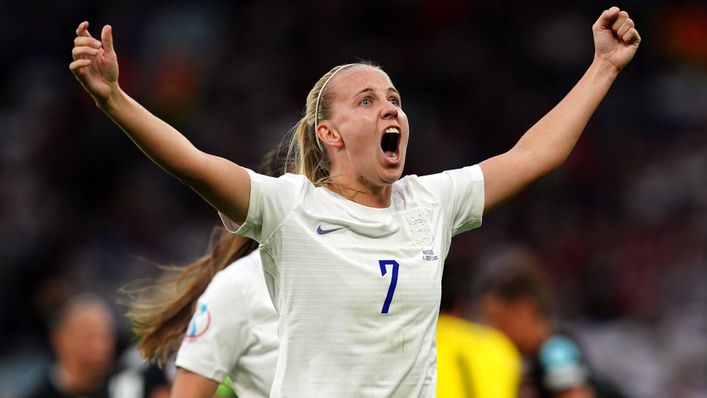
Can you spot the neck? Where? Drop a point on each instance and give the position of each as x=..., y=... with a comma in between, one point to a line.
x=361, y=192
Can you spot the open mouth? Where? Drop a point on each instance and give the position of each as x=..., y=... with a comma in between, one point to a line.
x=390, y=141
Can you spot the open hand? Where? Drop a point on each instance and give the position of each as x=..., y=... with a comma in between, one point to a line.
x=95, y=63
x=615, y=37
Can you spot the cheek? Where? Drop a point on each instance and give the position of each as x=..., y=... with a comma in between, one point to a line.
x=402, y=116
x=490, y=314
x=362, y=142
x=355, y=142
x=355, y=131
x=498, y=316
x=406, y=126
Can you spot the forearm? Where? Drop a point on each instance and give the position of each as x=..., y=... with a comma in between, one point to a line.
x=162, y=143
x=550, y=141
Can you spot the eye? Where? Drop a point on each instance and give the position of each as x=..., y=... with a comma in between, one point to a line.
x=395, y=101
x=366, y=101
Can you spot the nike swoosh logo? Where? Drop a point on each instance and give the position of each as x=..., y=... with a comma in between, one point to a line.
x=321, y=231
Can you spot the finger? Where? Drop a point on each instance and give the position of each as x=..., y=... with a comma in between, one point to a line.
x=82, y=30
x=631, y=37
x=107, y=38
x=83, y=51
x=625, y=27
x=86, y=41
x=79, y=63
x=611, y=13
x=606, y=18
x=623, y=16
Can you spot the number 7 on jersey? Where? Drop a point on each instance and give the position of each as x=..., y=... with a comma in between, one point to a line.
x=393, y=282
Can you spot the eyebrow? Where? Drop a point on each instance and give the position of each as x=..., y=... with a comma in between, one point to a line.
x=369, y=89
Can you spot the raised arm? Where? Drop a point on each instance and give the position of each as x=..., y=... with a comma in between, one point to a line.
x=546, y=145
x=222, y=183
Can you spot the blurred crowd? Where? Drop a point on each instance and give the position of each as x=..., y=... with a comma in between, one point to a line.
x=621, y=229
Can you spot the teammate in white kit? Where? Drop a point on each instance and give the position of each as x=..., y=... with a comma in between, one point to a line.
x=217, y=311
x=233, y=333
x=352, y=253
x=227, y=328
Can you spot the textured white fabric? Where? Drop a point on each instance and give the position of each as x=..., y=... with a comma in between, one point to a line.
x=330, y=265
x=234, y=330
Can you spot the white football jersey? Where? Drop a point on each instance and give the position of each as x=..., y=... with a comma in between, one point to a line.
x=358, y=288
x=234, y=330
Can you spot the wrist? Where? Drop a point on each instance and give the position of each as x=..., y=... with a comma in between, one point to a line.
x=112, y=100
x=603, y=71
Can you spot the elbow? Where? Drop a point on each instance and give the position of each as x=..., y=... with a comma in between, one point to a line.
x=540, y=163
x=190, y=179
x=189, y=170
x=556, y=161
x=548, y=166
x=184, y=176
x=550, y=159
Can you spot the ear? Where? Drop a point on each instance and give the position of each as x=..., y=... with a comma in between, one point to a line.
x=329, y=135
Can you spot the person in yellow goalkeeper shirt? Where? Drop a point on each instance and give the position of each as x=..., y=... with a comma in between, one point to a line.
x=473, y=360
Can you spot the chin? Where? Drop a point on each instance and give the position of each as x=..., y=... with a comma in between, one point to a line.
x=391, y=172
x=391, y=178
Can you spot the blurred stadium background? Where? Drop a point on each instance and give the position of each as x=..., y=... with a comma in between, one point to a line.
x=622, y=227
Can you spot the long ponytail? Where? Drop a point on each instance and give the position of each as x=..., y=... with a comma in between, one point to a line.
x=161, y=310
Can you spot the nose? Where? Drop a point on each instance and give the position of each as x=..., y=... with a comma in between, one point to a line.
x=389, y=111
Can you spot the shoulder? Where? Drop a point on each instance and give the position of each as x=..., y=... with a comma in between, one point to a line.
x=236, y=279
x=410, y=181
x=488, y=352
x=287, y=179
x=284, y=188
x=413, y=189
x=227, y=304
x=473, y=332
x=440, y=182
x=297, y=179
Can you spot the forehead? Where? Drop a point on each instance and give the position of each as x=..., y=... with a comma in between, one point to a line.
x=88, y=313
x=351, y=81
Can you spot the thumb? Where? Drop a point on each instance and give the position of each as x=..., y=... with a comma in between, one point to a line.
x=107, y=39
x=607, y=18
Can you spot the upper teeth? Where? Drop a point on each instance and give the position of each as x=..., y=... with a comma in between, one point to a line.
x=392, y=130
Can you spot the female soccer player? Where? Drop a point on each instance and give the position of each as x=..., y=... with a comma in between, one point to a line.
x=353, y=254
x=233, y=329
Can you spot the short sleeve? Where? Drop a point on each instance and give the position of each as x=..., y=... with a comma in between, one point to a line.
x=562, y=361
x=461, y=191
x=217, y=334
x=270, y=200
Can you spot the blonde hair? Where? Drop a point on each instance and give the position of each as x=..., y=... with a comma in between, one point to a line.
x=306, y=152
x=161, y=310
